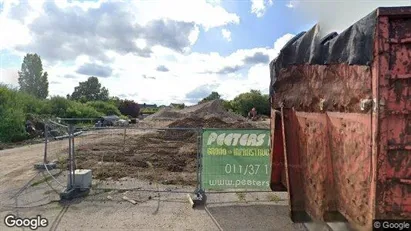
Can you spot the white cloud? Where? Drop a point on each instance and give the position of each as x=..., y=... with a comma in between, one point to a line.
x=291, y=4
x=226, y=34
x=337, y=15
x=186, y=73
x=14, y=33
x=141, y=43
x=280, y=42
x=9, y=76
x=208, y=14
x=259, y=7
x=138, y=76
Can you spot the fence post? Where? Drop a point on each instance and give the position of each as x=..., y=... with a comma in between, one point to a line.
x=46, y=137
x=199, y=162
x=124, y=141
x=70, y=164
x=73, y=156
x=200, y=198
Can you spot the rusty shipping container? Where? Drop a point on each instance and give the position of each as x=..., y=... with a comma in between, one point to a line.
x=341, y=124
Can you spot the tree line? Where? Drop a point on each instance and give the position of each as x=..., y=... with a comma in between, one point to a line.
x=29, y=102
x=244, y=102
x=88, y=100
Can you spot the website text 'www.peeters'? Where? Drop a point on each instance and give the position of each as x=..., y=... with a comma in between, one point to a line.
x=239, y=183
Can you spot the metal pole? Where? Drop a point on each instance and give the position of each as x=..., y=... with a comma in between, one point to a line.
x=73, y=156
x=198, y=161
x=201, y=159
x=45, y=142
x=124, y=141
x=70, y=160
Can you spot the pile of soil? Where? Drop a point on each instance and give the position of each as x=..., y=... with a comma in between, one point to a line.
x=166, y=113
x=151, y=156
x=167, y=156
x=211, y=109
x=210, y=122
x=196, y=123
x=206, y=110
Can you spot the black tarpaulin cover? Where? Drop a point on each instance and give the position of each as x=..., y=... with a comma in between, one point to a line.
x=353, y=46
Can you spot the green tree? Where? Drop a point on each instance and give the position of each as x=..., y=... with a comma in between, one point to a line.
x=31, y=77
x=80, y=110
x=115, y=101
x=244, y=102
x=129, y=108
x=104, y=107
x=227, y=105
x=213, y=96
x=90, y=90
x=58, y=106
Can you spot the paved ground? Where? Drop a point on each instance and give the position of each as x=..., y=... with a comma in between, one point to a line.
x=106, y=209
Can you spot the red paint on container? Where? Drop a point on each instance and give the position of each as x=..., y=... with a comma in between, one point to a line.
x=344, y=160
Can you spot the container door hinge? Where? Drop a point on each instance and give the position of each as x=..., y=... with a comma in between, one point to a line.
x=379, y=107
x=366, y=104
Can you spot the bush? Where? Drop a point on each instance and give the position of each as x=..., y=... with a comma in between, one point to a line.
x=104, y=108
x=129, y=108
x=244, y=102
x=227, y=105
x=32, y=104
x=79, y=110
x=12, y=126
x=12, y=116
x=58, y=106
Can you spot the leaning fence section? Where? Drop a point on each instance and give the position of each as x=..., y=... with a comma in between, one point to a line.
x=55, y=142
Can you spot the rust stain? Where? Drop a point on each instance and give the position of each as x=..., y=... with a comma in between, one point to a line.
x=340, y=86
x=362, y=157
x=350, y=146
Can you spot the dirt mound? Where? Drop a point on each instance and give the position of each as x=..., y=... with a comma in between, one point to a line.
x=206, y=110
x=211, y=109
x=195, y=123
x=211, y=122
x=166, y=113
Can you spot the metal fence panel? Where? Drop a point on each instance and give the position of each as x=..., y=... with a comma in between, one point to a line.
x=166, y=156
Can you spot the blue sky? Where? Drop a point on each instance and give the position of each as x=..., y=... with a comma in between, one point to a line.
x=159, y=51
x=253, y=31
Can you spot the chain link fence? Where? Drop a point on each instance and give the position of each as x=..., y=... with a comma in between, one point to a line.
x=138, y=157
x=133, y=157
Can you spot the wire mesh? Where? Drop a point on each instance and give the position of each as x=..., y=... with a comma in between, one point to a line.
x=55, y=142
x=148, y=156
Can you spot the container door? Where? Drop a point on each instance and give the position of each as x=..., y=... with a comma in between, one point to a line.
x=393, y=118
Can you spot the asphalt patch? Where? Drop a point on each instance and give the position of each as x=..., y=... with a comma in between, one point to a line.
x=254, y=217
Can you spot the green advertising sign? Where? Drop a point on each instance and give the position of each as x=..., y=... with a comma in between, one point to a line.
x=236, y=159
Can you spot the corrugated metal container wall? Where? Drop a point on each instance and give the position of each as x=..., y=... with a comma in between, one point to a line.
x=346, y=153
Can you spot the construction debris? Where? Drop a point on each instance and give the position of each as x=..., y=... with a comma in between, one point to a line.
x=129, y=200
